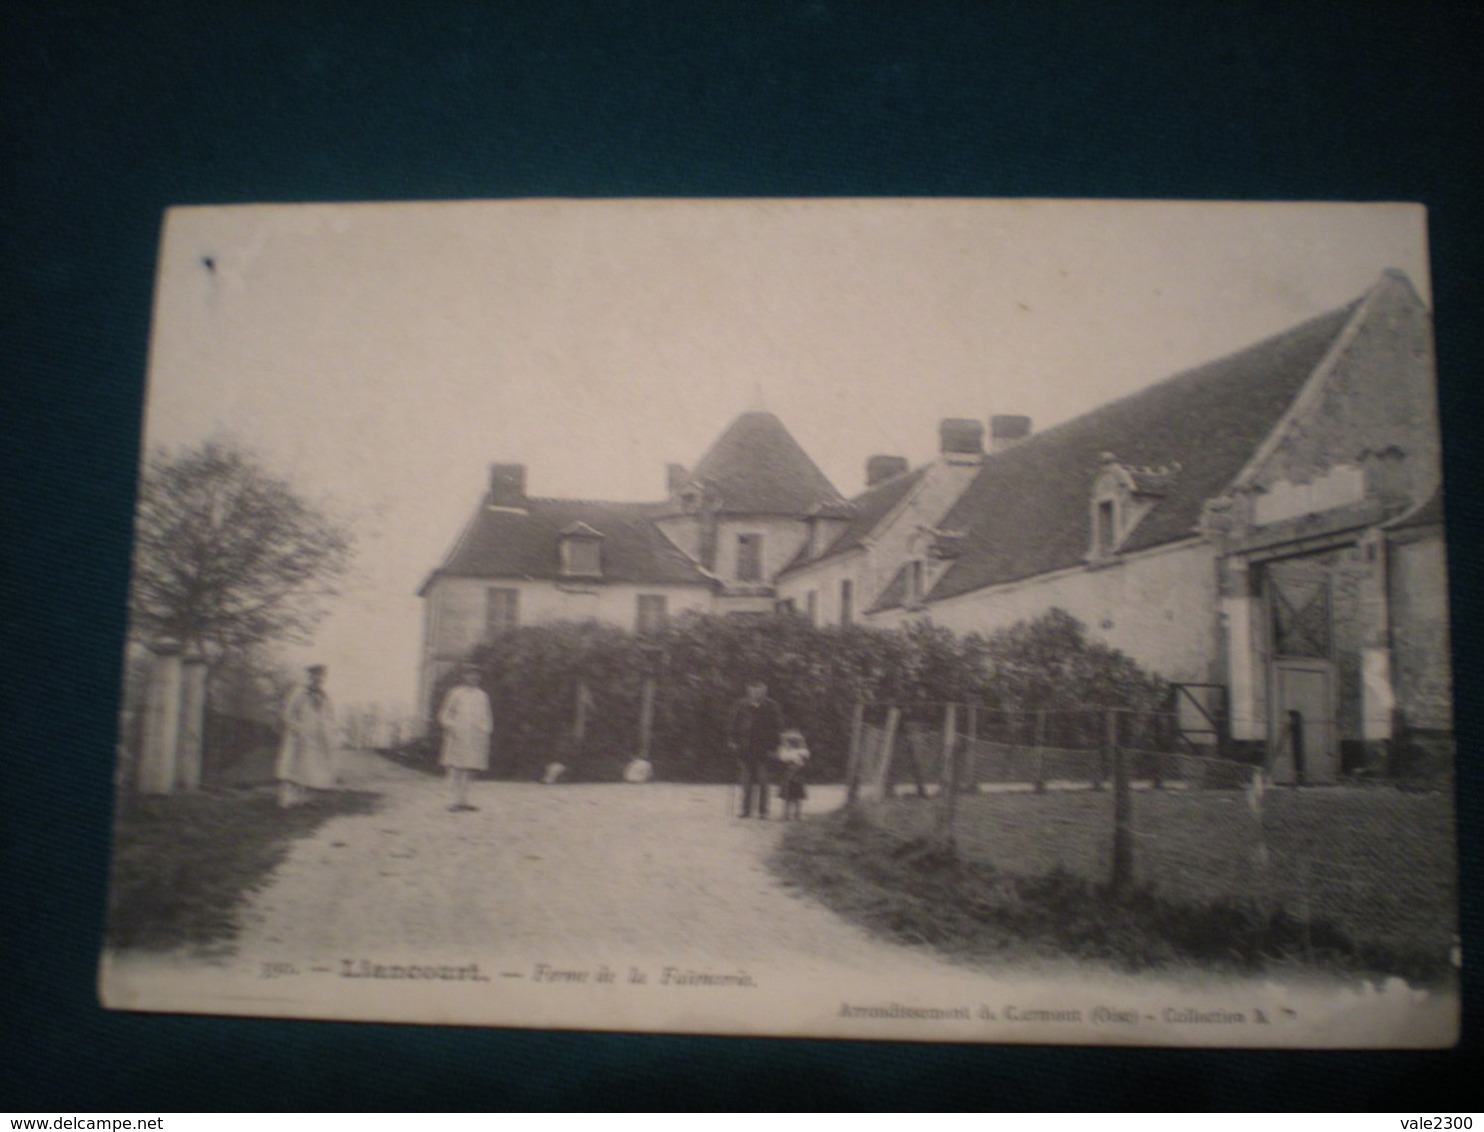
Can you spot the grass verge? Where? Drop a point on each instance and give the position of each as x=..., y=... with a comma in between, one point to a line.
x=910, y=890
x=183, y=865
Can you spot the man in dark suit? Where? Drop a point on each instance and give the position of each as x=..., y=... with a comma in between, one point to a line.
x=752, y=736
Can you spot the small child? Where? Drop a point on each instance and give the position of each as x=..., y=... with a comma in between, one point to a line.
x=793, y=756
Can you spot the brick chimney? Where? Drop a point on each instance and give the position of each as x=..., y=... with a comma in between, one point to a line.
x=881, y=468
x=507, y=485
x=675, y=477
x=960, y=440
x=1007, y=430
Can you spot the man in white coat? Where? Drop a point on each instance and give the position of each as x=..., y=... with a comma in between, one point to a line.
x=467, y=724
x=306, y=759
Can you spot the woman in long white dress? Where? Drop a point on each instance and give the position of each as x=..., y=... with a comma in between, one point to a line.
x=467, y=724
x=306, y=758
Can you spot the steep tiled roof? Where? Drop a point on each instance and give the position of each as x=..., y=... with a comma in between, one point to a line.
x=1028, y=510
x=502, y=543
x=758, y=468
x=868, y=509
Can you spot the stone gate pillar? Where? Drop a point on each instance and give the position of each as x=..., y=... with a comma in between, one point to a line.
x=1377, y=691
x=158, y=760
x=192, y=730
x=1240, y=614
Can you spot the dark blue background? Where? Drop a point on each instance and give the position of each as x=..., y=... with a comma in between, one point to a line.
x=111, y=113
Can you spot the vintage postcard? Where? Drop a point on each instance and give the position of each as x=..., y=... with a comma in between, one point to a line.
x=972, y=621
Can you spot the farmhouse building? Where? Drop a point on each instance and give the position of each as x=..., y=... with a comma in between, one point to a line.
x=1269, y=524
x=894, y=529
x=1266, y=528
x=716, y=545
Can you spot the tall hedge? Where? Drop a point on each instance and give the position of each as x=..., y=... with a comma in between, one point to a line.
x=701, y=664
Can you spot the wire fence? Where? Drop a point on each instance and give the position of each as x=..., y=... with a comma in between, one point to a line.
x=1112, y=797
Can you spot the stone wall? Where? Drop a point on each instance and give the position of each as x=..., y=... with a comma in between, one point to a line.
x=1159, y=607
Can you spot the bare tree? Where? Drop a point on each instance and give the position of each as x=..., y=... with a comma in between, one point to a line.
x=229, y=556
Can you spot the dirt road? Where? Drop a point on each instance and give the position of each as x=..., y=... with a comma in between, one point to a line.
x=546, y=889
x=659, y=871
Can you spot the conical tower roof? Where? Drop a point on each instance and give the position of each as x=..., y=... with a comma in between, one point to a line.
x=756, y=467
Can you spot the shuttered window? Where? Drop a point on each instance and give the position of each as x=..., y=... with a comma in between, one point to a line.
x=582, y=557
x=749, y=558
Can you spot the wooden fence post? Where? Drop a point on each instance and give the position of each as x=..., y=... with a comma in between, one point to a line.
x=646, y=717
x=1040, y=740
x=1123, y=813
x=948, y=789
x=888, y=752
x=579, y=715
x=1260, y=857
x=916, y=733
x=853, y=755
x=969, y=775
x=1160, y=741
x=1105, y=749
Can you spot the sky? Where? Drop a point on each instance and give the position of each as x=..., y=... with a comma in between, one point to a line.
x=382, y=356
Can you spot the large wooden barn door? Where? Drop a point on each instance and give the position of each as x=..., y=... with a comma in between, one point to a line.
x=1305, y=745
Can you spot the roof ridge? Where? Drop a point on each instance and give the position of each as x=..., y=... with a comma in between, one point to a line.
x=859, y=526
x=889, y=481
x=635, y=503
x=1356, y=315
x=508, y=543
x=1348, y=309
x=1209, y=417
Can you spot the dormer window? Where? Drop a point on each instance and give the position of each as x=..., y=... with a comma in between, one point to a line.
x=750, y=558
x=1121, y=496
x=696, y=497
x=1105, y=528
x=946, y=545
x=582, y=552
x=826, y=522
